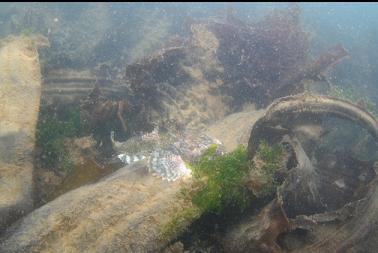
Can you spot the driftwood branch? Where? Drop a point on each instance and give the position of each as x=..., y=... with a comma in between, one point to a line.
x=329, y=205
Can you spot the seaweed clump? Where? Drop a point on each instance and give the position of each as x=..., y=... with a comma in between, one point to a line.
x=221, y=183
x=51, y=133
x=218, y=184
x=221, y=180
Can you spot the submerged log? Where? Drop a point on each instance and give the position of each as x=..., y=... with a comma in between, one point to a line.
x=20, y=92
x=285, y=112
x=124, y=212
x=331, y=205
x=136, y=209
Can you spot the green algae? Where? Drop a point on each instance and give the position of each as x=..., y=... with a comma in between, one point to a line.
x=222, y=179
x=51, y=133
x=219, y=183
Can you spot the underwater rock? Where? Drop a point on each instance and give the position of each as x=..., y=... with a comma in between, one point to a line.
x=20, y=92
x=329, y=199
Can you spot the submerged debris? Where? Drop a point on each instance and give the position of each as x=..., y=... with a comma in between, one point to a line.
x=316, y=199
x=258, y=56
x=325, y=206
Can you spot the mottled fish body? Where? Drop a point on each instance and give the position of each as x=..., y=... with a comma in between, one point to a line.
x=129, y=159
x=167, y=165
x=166, y=153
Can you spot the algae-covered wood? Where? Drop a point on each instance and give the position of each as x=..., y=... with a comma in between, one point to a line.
x=124, y=212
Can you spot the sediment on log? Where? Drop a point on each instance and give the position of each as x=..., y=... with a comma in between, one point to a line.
x=124, y=212
x=20, y=93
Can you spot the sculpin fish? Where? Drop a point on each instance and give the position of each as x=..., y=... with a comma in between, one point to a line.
x=166, y=152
